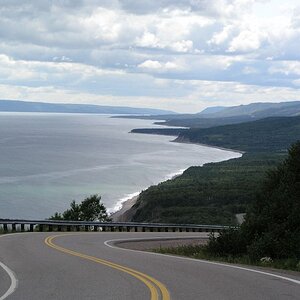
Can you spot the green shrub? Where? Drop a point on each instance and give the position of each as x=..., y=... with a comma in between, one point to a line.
x=229, y=243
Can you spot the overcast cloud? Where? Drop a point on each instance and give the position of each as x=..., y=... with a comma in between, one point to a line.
x=179, y=55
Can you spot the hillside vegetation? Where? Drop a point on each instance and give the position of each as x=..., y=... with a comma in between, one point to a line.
x=270, y=134
x=270, y=234
x=211, y=194
x=214, y=193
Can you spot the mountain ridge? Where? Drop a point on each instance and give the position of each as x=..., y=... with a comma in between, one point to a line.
x=257, y=110
x=30, y=106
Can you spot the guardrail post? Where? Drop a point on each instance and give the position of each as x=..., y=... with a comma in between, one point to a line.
x=128, y=229
x=50, y=228
x=180, y=229
x=103, y=228
x=95, y=228
x=158, y=229
x=194, y=230
x=77, y=228
x=151, y=229
x=68, y=228
x=22, y=227
x=58, y=228
x=5, y=229
x=187, y=229
x=120, y=228
x=144, y=229
x=31, y=227
x=135, y=229
x=13, y=227
x=41, y=227
x=86, y=228
x=174, y=229
x=166, y=229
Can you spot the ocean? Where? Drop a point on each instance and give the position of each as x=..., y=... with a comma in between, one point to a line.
x=48, y=160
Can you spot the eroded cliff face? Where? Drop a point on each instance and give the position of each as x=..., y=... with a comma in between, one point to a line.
x=128, y=210
x=126, y=216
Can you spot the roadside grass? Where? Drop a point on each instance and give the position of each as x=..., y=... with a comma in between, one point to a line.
x=200, y=252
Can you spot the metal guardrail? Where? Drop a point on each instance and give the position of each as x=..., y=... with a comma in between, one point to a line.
x=7, y=225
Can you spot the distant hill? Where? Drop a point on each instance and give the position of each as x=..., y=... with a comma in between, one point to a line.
x=257, y=110
x=211, y=110
x=265, y=135
x=26, y=106
x=219, y=115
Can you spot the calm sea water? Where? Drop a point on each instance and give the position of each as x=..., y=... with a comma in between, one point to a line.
x=47, y=160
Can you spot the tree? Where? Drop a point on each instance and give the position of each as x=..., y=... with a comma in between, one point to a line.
x=272, y=224
x=90, y=209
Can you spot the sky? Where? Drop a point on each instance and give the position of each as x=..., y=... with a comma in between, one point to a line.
x=178, y=55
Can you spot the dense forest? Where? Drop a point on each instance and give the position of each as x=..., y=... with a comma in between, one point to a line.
x=211, y=194
x=215, y=193
x=266, y=135
x=269, y=235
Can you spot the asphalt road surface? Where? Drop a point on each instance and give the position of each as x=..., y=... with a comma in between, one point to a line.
x=86, y=266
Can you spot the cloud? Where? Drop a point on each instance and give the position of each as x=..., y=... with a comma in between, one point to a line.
x=246, y=41
x=156, y=65
x=286, y=68
x=102, y=48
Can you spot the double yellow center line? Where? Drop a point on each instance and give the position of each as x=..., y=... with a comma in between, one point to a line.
x=157, y=289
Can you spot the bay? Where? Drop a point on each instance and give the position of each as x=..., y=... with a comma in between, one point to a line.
x=47, y=160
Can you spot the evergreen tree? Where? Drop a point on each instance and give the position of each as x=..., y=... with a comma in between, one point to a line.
x=272, y=225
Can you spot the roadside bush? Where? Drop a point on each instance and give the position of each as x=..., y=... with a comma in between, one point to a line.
x=229, y=242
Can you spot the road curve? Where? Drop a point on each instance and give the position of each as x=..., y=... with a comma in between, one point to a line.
x=83, y=266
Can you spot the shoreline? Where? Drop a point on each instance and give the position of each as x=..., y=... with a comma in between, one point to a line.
x=184, y=141
x=122, y=215
x=119, y=215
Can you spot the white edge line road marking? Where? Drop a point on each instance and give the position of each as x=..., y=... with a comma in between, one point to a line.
x=13, y=279
x=107, y=243
x=12, y=276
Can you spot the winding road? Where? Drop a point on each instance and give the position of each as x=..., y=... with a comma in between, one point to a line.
x=90, y=266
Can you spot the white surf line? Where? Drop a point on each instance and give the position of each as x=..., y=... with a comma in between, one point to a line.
x=12, y=276
x=108, y=244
